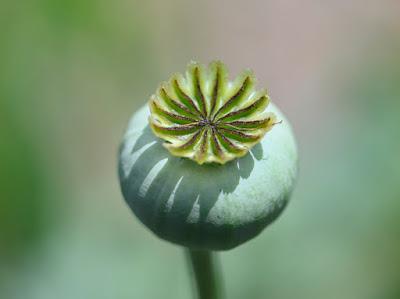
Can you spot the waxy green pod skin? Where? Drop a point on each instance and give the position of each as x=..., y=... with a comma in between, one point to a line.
x=209, y=206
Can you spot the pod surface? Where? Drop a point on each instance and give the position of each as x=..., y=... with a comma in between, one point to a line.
x=209, y=206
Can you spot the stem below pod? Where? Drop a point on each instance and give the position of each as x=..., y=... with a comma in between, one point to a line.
x=205, y=268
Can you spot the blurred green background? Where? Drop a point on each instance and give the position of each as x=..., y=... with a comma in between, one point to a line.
x=71, y=74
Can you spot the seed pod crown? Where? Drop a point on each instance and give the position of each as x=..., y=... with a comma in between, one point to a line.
x=207, y=118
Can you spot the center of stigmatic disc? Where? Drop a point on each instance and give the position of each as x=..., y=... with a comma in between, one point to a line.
x=207, y=122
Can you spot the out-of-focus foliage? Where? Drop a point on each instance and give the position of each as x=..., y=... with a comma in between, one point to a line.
x=72, y=72
x=21, y=207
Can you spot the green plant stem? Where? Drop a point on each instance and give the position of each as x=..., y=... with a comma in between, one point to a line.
x=204, y=266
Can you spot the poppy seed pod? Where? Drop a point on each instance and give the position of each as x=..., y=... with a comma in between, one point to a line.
x=242, y=180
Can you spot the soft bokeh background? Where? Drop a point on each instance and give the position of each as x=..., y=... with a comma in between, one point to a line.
x=73, y=71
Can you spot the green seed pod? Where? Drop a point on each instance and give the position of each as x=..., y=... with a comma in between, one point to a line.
x=234, y=195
